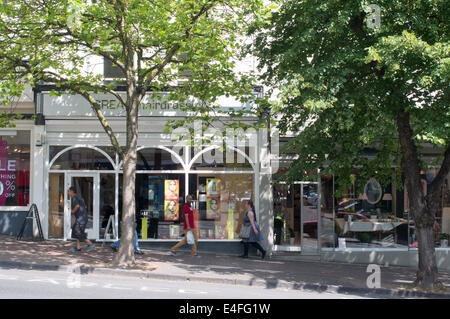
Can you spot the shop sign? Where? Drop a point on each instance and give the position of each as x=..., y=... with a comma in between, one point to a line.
x=154, y=104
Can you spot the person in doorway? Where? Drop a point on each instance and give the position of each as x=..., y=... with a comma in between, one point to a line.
x=188, y=225
x=81, y=219
x=278, y=228
x=249, y=219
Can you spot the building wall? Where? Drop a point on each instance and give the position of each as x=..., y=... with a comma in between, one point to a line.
x=11, y=223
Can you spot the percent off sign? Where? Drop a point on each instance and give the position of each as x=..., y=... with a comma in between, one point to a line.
x=10, y=187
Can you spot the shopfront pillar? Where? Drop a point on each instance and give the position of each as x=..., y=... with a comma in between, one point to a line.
x=264, y=175
x=38, y=162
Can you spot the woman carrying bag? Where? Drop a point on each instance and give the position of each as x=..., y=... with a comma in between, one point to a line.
x=250, y=231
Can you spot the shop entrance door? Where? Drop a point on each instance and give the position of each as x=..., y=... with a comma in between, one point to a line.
x=309, y=218
x=296, y=218
x=87, y=186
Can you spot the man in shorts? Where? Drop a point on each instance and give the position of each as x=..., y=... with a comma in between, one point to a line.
x=81, y=219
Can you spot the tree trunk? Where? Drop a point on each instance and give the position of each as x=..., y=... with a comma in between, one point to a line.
x=427, y=273
x=125, y=255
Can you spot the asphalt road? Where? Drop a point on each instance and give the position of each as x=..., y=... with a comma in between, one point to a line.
x=31, y=284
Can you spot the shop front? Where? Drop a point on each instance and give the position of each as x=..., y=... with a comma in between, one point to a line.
x=371, y=225
x=163, y=179
x=78, y=153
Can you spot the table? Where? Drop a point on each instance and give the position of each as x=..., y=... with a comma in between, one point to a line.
x=370, y=226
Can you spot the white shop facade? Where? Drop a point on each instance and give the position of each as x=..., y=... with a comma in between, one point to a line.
x=73, y=150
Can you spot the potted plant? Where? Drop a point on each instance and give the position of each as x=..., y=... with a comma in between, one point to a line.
x=444, y=240
x=291, y=236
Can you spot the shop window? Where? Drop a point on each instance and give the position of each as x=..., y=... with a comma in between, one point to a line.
x=107, y=204
x=370, y=217
x=112, y=71
x=156, y=159
x=82, y=158
x=56, y=206
x=221, y=203
x=281, y=214
x=444, y=222
x=14, y=168
x=328, y=236
x=218, y=159
x=442, y=217
x=159, y=203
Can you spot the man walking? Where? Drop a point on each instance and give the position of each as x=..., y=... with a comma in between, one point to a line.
x=188, y=225
x=81, y=219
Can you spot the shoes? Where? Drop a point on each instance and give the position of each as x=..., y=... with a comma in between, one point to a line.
x=139, y=252
x=263, y=255
x=243, y=256
x=75, y=250
x=173, y=253
x=196, y=255
x=90, y=247
x=114, y=249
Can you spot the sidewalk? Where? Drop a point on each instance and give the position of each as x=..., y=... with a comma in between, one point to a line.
x=213, y=268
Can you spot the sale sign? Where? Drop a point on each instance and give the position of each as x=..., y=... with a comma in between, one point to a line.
x=7, y=174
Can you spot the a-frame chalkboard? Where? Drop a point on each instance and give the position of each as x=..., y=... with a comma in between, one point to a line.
x=32, y=213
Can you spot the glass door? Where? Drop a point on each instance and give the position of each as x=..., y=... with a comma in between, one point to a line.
x=309, y=219
x=87, y=186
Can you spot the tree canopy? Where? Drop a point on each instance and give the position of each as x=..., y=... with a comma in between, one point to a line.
x=344, y=81
x=359, y=77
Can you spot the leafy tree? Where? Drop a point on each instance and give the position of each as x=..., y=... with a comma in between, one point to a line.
x=151, y=42
x=350, y=80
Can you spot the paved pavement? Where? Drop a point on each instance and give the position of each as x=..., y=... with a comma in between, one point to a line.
x=214, y=268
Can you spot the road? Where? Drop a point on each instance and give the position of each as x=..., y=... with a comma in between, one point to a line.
x=31, y=284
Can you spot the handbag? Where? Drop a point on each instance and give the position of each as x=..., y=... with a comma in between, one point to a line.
x=245, y=231
x=190, y=238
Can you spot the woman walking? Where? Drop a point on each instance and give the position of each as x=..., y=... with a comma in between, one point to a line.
x=249, y=220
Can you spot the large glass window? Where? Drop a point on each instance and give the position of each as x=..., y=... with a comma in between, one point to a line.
x=328, y=234
x=218, y=158
x=281, y=215
x=442, y=217
x=107, y=204
x=159, y=204
x=221, y=203
x=56, y=206
x=156, y=159
x=82, y=158
x=14, y=168
x=372, y=217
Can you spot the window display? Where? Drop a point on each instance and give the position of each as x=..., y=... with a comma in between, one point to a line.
x=221, y=201
x=14, y=168
x=158, y=201
x=372, y=217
